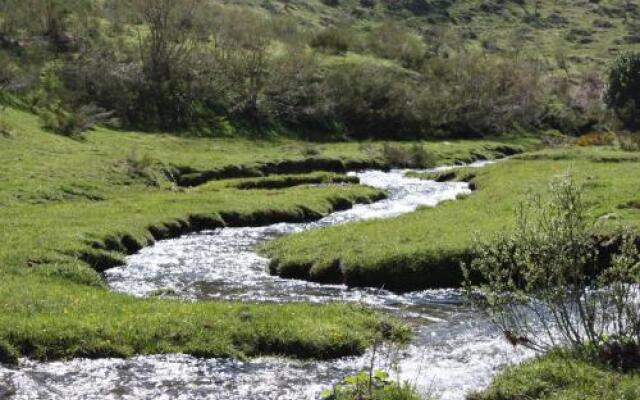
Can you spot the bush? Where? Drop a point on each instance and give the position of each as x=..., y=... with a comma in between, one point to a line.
x=5, y=129
x=596, y=139
x=336, y=40
x=373, y=100
x=413, y=157
x=544, y=285
x=391, y=41
x=75, y=122
x=370, y=386
x=629, y=142
x=8, y=353
x=623, y=92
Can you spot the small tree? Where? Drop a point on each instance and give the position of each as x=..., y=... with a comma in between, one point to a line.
x=243, y=37
x=165, y=53
x=623, y=92
x=543, y=285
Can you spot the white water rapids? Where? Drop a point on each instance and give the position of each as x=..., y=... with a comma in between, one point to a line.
x=455, y=349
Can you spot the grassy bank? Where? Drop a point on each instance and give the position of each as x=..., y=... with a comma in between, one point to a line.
x=563, y=376
x=426, y=247
x=69, y=208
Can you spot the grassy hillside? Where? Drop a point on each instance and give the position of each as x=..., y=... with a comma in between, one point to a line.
x=331, y=69
x=583, y=34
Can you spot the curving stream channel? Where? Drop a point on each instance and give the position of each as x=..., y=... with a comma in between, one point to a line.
x=455, y=348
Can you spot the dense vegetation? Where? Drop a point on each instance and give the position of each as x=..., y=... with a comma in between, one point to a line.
x=374, y=68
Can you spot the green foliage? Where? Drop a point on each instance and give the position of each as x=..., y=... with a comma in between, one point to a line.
x=8, y=353
x=374, y=385
x=623, y=92
x=365, y=69
x=415, y=156
x=5, y=128
x=629, y=142
x=543, y=284
x=335, y=39
x=73, y=123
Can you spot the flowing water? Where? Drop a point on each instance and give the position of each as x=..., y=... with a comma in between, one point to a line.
x=455, y=349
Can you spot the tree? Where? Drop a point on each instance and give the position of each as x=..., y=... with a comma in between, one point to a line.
x=243, y=37
x=623, y=92
x=165, y=55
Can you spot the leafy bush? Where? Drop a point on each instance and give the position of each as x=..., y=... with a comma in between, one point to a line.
x=471, y=95
x=335, y=39
x=596, y=139
x=623, y=92
x=372, y=99
x=8, y=353
x=389, y=40
x=5, y=129
x=370, y=386
x=629, y=142
x=73, y=123
x=413, y=157
x=544, y=285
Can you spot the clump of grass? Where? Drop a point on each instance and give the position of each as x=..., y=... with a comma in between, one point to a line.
x=561, y=375
x=310, y=150
x=141, y=167
x=629, y=142
x=8, y=353
x=6, y=130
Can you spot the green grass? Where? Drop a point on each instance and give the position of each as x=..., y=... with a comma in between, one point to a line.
x=561, y=376
x=425, y=248
x=65, y=204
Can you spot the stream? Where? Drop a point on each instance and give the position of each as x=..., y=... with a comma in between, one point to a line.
x=455, y=349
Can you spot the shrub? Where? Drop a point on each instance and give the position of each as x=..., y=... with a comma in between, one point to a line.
x=5, y=129
x=629, y=142
x=472, y=95
x=389, y=40
x=373, y=100
x=310, y=150
x=8, y=353
x=543, y=282
x=413, y=157
x=73, y=123
x=335, y=39
x=370, y=385
x=623, y=92
x=596, y=139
